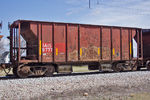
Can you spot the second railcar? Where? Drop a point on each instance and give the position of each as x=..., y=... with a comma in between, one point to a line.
x=48, y=45
x=146, y=48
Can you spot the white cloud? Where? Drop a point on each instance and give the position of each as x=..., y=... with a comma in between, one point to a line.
x=133, y=13
x=4, y=41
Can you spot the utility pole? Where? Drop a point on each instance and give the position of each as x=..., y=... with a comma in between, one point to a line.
x=89, y=3
x=1, y=25
x=0, y=31
x=98, y=2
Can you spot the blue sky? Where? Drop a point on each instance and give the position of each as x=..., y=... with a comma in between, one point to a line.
x=134, y=13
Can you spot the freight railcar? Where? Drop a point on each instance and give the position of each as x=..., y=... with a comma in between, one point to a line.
x=146, y=48
x=54, y=47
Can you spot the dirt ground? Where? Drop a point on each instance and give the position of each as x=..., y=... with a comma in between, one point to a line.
x=103, y=93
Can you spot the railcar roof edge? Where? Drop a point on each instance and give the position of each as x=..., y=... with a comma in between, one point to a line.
x=15, y=23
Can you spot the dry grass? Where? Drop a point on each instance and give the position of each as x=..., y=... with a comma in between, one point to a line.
x=2, y=73
x=139, y=96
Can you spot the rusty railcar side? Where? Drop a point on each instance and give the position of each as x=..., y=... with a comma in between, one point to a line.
x=54, y=43
x=146, y=48
x=146, y=44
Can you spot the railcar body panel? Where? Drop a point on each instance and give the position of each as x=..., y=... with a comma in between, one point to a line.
x=72, y=43
x=45, y=44
x=89, y=43
x=106, y=44
x=116, y=44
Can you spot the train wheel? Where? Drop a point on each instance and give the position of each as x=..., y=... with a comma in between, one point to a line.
x=148, y=65
x=21, y=71
x=117, y=67
x=49, y=71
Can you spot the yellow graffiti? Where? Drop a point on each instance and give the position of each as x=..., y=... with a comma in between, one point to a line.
x=56, y=51
x=113, y=51
x=80, y=51
x=40, y=46
x=98, y=51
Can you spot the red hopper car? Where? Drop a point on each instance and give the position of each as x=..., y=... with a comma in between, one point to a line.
x=54, y=47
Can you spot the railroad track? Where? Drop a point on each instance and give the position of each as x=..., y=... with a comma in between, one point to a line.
x=11, y=77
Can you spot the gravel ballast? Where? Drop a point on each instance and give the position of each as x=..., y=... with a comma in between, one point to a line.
x=101, y=85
